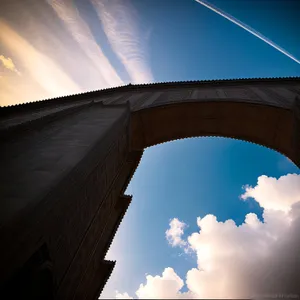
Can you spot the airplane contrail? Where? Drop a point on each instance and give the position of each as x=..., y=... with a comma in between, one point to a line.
x=247, y=28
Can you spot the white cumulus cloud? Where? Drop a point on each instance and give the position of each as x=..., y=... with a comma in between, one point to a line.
x=122, y=296
x=272, y=193
x=175, y=232
x=253, y=260
x=167, y=286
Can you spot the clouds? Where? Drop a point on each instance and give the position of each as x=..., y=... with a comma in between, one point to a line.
x=57, y=52
x=272, y=193
x=9, y=64
x=69, y=14
x=166, y=286
x=247, y=261
x=122, y=296
x=43, y=75
x=49, y=75
x=120, y=24
x=175, y=232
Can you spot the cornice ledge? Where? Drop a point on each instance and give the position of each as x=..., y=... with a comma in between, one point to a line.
x=133, y=87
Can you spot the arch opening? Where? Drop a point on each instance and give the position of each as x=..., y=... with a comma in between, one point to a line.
x=269, y=126
x=159, y=274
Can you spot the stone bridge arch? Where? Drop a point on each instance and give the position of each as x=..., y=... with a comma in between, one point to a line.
x=261, y=124
x=66, y=162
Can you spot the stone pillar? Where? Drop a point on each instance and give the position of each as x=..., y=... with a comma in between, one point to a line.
x=99, y=238
x=95, y=275
x=65, y=170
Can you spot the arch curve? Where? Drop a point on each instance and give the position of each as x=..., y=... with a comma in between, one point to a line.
x=266, y=125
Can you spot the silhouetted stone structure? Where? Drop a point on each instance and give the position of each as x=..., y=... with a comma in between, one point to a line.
x=66, y=162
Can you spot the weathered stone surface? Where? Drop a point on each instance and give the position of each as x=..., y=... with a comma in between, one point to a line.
x=64, y=206
x=66, y=162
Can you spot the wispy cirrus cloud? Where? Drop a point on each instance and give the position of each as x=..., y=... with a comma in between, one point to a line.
x=119, y=19
x=69, y=14
x=44, y=71
x=57, y=53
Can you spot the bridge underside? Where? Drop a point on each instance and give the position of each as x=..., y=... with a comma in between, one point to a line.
x=63, y=179
x=269, y=126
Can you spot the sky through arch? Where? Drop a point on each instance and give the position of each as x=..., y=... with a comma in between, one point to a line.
x=216, y=179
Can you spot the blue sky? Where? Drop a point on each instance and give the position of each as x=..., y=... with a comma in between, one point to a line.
x=111, y=43
x=190, y=42
x=185, y=179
